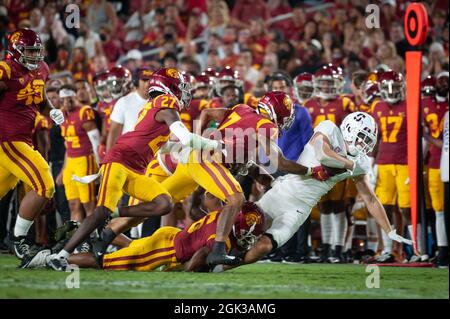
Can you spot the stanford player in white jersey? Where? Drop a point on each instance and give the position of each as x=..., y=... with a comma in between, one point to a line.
x=289, y=202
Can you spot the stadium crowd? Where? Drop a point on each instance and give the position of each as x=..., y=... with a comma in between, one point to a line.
x=253, y=46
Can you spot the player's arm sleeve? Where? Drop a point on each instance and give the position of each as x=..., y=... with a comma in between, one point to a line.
x=189, y=139
x=179, y=130
x=326, y=156
x=372, y=203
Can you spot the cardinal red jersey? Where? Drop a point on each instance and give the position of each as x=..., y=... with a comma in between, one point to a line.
x=188, y=116
x=391, y=120
x=433, y=115
x=238, y=129
x=333, y=110
x=19, y=102
x=200, y=234
x=75, y=136
x=105, y=110
x=135, y=149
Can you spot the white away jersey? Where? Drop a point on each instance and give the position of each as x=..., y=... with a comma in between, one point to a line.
x=295, y=192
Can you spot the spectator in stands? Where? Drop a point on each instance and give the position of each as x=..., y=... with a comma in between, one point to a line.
x=110, y=45
x=190, y=51
x=245, y=10
x=218, y=17
x=62, y=62
x=100, y=64
x=397, y=35
x=89, y=40
x=173, y=16
x=138, y=22
x=134, y=60
x=170, y=61
x=195, y=26
x=36, y=21
x=100, y=12
x=80, y=66
x=247, y=71
x=53, y=25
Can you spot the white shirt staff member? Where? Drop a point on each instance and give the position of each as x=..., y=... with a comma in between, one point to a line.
x=126, y=110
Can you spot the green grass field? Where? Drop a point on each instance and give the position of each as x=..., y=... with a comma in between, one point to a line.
x=262, y=280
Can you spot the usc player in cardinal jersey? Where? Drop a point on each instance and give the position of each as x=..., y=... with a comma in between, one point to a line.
x=275, y=109
x=22, y=80
x=434, y=109
x=173, y=248
x=123, y=167
x=328, y=104
x=82, y=139
x=392, y=186
x=105, y=106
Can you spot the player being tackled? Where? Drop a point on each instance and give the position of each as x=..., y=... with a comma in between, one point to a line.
x=289, y=202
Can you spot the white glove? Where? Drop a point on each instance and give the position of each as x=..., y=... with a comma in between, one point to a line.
x=57, y=116
x=394, y=236
x=86, y=179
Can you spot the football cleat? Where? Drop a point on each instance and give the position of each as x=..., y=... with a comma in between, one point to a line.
x=385, y=258
x=98, y=248
x=57, y=263
x=38, y=260
x=85, y=247
x=21, y=246
x=326, y=253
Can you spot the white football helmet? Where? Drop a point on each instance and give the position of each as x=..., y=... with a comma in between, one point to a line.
x=360, y=132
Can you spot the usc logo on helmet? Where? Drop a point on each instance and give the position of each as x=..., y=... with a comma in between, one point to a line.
x=251, y=218
x=15, y=36
x=173, y=73
x=287, y=102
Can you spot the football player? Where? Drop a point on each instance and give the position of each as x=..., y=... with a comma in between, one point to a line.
x=343, y=151
x=125, y=163
x=434, y=109
x=303, y=87
x=22, y=80
x=82, y=139
x=329, y=104
x=294, y=139
x=242, y=129
x=428, y=86
x=202, y=86
x=230, y=77
x=392, y=186
x=171, y=247
x=104, y=106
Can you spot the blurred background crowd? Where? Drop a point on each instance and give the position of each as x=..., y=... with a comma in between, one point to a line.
x=255, y=37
